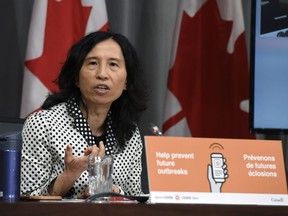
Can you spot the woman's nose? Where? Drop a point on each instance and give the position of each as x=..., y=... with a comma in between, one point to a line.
x=102, y=73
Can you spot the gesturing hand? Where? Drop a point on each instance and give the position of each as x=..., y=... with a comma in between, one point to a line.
x=74, y=166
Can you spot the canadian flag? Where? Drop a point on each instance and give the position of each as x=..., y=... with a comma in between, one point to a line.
x=55, y=26
x=209, y=75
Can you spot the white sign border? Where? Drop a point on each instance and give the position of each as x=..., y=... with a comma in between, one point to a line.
x=218, y=198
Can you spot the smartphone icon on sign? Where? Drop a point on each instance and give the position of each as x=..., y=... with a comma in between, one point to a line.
x=217, y=162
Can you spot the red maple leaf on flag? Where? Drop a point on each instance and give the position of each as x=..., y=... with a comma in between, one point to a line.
x=209, y=82
x=60, y=34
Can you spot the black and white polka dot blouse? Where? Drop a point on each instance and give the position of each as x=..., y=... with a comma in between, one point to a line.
x=46, y=134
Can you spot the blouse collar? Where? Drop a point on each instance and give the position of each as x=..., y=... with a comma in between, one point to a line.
x=83, y=128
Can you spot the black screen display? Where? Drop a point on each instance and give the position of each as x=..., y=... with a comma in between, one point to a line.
x=269, y=66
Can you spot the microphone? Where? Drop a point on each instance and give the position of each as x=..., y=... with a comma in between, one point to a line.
x=154, y=129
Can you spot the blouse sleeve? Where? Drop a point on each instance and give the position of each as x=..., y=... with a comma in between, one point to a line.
x=133, y=184
x=36, y=159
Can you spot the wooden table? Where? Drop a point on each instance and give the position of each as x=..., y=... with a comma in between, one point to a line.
x=84, y=209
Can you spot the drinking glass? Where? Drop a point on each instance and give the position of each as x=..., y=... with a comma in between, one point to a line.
x=100, y=174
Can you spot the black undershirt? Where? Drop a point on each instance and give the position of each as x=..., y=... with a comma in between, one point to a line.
x=99, y=138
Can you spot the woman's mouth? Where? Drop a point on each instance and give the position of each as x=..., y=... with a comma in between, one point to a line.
x=102, y=87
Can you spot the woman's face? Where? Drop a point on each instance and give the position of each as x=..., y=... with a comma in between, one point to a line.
x=102, y=77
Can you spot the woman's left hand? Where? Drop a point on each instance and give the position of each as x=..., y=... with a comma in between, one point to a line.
x=116, y=189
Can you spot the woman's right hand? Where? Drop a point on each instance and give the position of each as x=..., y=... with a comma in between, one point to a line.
x=74, y=165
